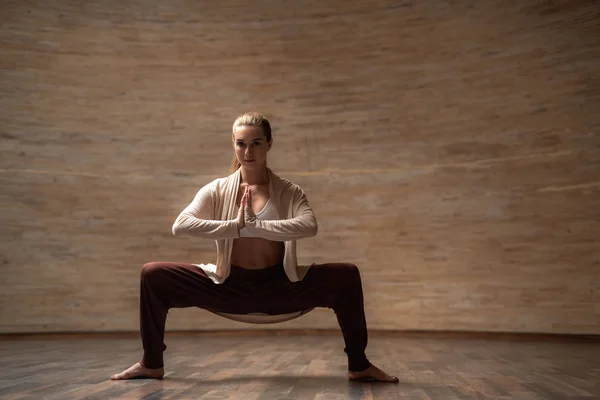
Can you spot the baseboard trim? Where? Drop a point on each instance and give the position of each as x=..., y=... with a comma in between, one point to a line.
x=485, y=335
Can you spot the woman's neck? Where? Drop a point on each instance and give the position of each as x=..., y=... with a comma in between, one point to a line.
x=254, y=176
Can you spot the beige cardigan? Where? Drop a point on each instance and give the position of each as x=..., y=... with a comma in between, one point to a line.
x=212, y=215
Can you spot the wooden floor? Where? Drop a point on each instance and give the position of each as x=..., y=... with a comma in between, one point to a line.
x=301, y=367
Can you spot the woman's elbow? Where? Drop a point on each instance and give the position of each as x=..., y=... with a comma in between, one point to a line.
x=314, y=228
x=177, y=227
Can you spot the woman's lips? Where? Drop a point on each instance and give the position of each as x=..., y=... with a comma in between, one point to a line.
x=248, y=161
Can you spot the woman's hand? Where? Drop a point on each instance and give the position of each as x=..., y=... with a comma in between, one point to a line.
x=243, y=203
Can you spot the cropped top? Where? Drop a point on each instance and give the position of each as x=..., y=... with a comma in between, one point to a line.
x=269, y=212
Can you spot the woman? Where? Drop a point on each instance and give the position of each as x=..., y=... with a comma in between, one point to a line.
x=255, y=217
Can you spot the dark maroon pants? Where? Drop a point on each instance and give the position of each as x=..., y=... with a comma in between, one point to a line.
x=338, y=286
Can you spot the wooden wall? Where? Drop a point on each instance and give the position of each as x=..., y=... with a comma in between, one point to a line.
x=450, y=149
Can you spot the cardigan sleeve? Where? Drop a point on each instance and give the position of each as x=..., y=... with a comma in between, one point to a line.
x=303, y=223
x=197, y=218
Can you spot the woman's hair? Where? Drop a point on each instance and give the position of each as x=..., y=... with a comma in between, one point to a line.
x=250, y=119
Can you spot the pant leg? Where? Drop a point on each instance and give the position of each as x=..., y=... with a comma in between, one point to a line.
x=337, y=286
x=166, y=285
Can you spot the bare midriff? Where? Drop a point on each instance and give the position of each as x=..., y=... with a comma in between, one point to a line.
x=256, y=253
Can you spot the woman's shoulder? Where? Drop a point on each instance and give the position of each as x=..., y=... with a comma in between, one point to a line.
x=217, y=184
x=284, y=185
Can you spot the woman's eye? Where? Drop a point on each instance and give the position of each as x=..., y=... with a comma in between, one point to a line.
x=240, y=144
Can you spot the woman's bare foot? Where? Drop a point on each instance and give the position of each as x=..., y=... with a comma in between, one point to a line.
x=138, y=371
x=372, y=374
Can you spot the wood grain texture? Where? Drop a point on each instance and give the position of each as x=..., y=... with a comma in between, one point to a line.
x=451, y=150
x=301, y=367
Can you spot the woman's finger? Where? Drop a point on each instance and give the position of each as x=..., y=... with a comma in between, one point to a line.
x=245, y=197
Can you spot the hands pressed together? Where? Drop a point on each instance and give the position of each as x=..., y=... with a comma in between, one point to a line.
x=246, y=201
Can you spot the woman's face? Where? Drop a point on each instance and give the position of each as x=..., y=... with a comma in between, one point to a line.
x=251, y=146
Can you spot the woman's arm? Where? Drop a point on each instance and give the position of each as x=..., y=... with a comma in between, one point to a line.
x=302, y=225
x=196, y=219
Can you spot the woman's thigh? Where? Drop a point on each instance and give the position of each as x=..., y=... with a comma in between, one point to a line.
x=183, y=285
x=322, y=286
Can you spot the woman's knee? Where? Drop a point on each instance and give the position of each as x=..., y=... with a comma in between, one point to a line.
x=351, y=271
x=151, y=270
